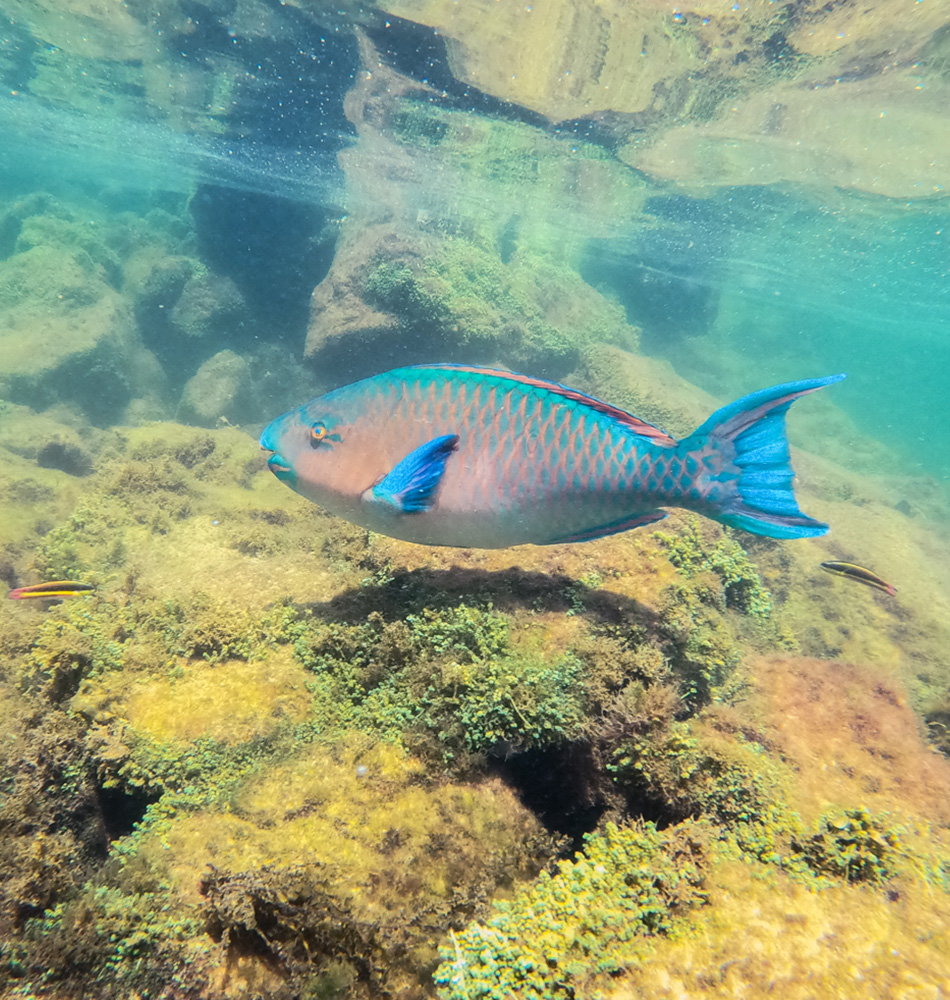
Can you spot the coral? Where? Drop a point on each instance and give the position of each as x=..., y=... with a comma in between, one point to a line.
x=568, y=934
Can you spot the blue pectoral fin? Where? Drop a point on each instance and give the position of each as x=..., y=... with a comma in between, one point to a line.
x=410, y=487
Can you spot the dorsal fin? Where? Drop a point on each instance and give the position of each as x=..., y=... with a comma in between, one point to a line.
x=635, y=424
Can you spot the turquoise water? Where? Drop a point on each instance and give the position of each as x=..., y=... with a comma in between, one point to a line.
x=211, y=212
x=782, y=283
x=734, y=285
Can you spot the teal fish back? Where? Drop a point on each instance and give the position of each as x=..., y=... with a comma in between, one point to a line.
x=525, y=443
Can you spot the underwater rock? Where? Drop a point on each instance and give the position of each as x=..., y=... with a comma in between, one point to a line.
x=398, y=297
x=208, y=305
x=271, y=249
x=495, y=279
x=218, y=389
x=337, y=307
x=154, y=282
x=65, y=334
x=83, y=238
x=55, y=439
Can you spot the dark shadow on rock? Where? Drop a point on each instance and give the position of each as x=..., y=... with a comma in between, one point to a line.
x=507, y=590
x=562, y=785
x=275, y=250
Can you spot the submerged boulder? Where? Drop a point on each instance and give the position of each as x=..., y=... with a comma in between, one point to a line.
x=67, y=335
x=218, y=389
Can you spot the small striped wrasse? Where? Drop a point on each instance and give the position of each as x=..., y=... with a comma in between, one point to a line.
x=474, y=457
x=859, y=574
x=56, y=588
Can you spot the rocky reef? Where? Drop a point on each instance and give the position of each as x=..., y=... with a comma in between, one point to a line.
x=273, y=755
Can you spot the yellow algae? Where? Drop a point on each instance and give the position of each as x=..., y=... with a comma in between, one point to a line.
x=30, y=495
x=358, y=830
x=763, y=934
x=849, y=735
x=231, y=701
x=360, y=812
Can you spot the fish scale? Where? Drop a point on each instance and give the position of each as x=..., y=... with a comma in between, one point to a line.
x=460, y=455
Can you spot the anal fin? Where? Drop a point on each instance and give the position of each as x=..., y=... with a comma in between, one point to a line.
x=613, y=528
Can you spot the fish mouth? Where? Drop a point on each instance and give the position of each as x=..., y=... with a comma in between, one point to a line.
x=281, y=468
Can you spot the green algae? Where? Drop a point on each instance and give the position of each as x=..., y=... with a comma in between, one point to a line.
x=856, y=846
x=529, y=307
x=691, y=553
x=699, y=640
x=570, y=932
x=453, y=682
x=265, y=736
x=445, y=679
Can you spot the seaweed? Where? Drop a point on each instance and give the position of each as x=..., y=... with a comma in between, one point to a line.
x=693, y=553
x=569, y=933
x=854, y=845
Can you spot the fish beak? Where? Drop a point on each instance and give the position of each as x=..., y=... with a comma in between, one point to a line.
x=277, y=464
x=281, y=469
x=268, y=436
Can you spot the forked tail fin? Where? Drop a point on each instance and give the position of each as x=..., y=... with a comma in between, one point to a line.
x=744, y=477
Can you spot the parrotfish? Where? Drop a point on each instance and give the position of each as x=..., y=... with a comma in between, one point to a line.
x=479, y=458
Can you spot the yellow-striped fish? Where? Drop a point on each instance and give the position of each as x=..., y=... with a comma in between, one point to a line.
x=56, y=588
x=859, y=574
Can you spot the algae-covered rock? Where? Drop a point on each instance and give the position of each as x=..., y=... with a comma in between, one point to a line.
x=65, y=334
x=481, y=268
x=219, y=389
x=415, y=297
x=52, y=833
x=740, y=901
x=208, y=306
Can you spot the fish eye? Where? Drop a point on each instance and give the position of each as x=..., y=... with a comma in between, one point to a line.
x=317, y=433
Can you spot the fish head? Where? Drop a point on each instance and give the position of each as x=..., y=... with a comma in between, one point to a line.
x=318, y=449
